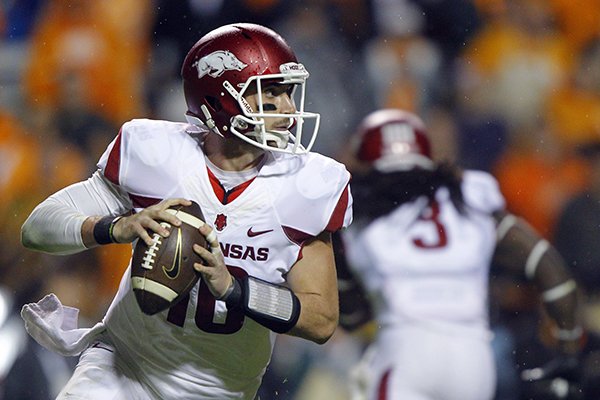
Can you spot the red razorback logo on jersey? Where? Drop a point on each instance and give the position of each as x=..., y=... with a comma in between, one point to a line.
x=220, y=222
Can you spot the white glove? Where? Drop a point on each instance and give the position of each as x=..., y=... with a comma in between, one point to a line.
x=54, y=326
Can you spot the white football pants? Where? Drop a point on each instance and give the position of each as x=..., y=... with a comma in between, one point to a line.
x=417, y=363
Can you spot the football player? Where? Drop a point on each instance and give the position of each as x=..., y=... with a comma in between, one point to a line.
x=421, y=246
x=270, y=205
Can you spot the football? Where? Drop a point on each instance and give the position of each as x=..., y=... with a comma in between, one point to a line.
x=162, y=274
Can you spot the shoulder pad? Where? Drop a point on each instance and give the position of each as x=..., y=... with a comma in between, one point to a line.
x=148, y=156
x=482, y=192
x=317, y=183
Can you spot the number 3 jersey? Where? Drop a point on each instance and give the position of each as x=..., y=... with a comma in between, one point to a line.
x=425, y=263
x=199, y=349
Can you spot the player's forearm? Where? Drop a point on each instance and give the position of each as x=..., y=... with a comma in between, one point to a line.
x=313, y=280
x=318, y=319
x=63, y=223
x=568, y=331
x=558, y=291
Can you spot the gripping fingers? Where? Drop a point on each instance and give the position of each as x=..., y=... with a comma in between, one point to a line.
x=159, y=211
x=174, y=202
x=211, y=239
x=206, y=255
x=157, y=227
x=148, y=222
x=214, y=272
x=143, y=234
x=212, y=256
x=215, y=249
x=154, y=217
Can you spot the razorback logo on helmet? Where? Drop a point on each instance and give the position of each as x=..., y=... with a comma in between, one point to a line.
x=398, y=138
x=393, y=140
x=220, y=222
x=217, y=62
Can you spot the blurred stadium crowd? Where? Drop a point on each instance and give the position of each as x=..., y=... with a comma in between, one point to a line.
x=507, y=86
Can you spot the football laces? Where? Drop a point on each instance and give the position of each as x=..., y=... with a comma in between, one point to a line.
x=150, y=254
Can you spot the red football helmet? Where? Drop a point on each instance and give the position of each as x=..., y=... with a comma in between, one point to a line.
x=393, y=140
x=221, y=67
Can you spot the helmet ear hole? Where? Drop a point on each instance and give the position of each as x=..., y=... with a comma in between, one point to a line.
x=214, y=103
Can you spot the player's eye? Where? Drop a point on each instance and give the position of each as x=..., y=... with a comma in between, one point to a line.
x=271, y=91
x=277, y=90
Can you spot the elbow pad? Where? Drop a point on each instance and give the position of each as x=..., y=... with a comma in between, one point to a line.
x=273, y=306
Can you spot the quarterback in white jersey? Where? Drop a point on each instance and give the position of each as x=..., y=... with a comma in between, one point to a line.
x=270, y=207
x=421, y=246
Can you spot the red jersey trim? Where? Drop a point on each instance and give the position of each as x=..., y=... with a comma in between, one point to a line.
x=297, y=237
x=238, y=190
x=336, y=222
x=114, y=162
x=216, y=185
x=226, y=197
x=142, y=201
x=382, y=390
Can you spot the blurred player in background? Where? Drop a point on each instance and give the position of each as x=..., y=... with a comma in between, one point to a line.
x=421, y=246
x=270, y=206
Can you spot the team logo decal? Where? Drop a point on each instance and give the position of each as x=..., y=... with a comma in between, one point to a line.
x=218, y=62
x=173, y=271
x=220, y=222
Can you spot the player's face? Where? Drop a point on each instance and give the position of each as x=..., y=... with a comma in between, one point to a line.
x=276, y=99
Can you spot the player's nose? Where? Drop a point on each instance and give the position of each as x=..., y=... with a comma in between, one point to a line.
x=287, y=105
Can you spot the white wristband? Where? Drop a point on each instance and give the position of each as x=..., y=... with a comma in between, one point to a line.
x=534, y=257
x=559, y=291
x=504, y=226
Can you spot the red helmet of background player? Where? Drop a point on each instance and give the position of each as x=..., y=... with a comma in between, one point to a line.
x=220, y=69
x=393, y=140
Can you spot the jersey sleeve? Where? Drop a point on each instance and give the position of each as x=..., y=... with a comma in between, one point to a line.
x=317, y=198
x=481, y=191
x=341, y=217
x=336, y=198
x=110, y=160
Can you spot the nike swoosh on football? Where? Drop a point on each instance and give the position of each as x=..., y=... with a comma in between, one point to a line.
x=252, y=233
x=173, y=271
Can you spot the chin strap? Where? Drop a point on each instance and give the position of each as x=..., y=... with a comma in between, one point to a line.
x=279, y=138
x=273, y=306
x=210, y=123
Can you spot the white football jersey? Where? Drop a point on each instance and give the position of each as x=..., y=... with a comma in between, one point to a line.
x=425, y=267
x=426, y=263
x=198, y=349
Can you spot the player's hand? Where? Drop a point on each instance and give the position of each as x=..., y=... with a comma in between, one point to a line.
x=214, y=273
x=147, y=222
